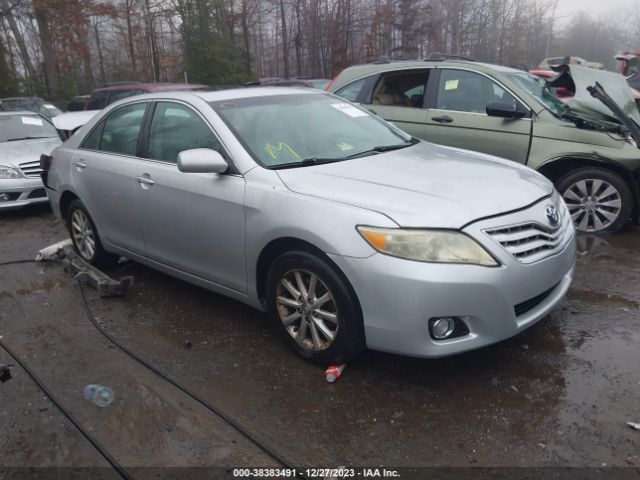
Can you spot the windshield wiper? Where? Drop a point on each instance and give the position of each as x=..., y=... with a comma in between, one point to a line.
x=385, y=148
x=25, y=138
x=308, y=162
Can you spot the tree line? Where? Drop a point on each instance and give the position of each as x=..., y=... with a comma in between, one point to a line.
x=59, y=48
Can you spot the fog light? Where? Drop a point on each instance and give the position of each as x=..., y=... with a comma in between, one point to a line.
x=4, y=197
x=442, y=328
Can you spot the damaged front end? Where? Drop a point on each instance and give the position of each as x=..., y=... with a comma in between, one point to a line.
x=600, y=100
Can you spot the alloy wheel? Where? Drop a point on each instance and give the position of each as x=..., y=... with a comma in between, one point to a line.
x=594, y=204
x=307, y=310
x=83, y=234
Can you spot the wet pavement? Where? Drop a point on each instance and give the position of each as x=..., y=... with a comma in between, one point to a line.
x=559, y=394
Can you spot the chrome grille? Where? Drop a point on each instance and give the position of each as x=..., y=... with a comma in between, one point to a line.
x=31, y=169
x=532, y=241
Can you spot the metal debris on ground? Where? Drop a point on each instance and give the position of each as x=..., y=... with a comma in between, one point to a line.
x=334, y=372
x=5, y=372
x=635, y=426
x=83, y=271
x=54, y=252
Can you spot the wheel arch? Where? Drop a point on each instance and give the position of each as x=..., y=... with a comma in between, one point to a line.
x=556, y=168
x=65, y=200
x=281, y=245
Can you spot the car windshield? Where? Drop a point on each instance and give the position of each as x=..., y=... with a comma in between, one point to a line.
x=295, y=129
x=538, y=88
x=24, y=127
x=48, y=110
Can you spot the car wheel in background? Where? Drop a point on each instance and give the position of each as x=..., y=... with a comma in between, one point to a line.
x=599, y=200
x=314, y=307
x=85, y=236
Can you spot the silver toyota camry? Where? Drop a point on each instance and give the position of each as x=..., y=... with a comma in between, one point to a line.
x=349, y=232
x=24, y=136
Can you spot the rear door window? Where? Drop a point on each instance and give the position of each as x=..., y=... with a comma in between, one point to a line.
x=118, y=133
x=176, y=128
x=401, y=89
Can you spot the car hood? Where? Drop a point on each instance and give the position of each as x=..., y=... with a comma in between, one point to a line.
x=70, y=121
x=424, y=186
x=577, y=79
x=14, y=153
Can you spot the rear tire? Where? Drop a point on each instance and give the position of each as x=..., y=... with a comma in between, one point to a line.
x=315, y=308
x=84, y=236
x=599, y=200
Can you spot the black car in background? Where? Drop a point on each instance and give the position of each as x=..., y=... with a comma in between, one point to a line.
x=77, y=103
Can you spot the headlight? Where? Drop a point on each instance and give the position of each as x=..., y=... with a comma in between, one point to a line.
x=440, y=246
x=9, y=172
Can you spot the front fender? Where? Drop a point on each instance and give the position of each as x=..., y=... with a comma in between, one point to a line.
x=274, y=212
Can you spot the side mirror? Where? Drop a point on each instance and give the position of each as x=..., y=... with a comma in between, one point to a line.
x=201, y=160
x=506, y=110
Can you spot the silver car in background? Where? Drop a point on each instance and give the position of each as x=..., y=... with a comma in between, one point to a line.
x=349, y=232
x=24, y=136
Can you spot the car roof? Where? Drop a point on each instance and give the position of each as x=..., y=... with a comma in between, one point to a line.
x=410, y=64
x=152, y=87
x=254, y=92
x=5, y=113
x=28, y=99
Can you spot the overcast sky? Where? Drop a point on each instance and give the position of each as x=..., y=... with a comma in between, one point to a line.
x=567, y=7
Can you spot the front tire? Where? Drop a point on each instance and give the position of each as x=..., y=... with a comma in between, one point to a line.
x=599, y=200
x=314, y=308
x=84, y=236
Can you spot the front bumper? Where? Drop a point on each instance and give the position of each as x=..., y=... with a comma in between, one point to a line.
x=398, y=297
x=20, y=192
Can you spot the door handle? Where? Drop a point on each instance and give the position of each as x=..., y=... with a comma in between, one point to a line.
x=443, y=119
x=145, y=180
x=80, y=165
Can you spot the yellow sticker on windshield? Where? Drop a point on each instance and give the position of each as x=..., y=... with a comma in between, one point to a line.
x=451, y=85
x=345, y=147
x=282, y=148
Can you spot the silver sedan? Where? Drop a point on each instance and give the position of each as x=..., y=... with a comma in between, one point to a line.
x=349, y=232
x=24, y=136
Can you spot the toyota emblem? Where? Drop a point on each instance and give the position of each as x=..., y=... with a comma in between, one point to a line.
x=552, y=215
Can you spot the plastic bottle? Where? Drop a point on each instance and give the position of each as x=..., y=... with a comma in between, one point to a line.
x=99, y=395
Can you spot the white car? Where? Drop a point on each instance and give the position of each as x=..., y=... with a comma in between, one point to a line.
x=547, y=63
x=24, y=136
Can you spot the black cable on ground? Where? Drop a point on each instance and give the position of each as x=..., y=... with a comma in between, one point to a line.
x=223, y=416
x=96, y=444
x=15, y=262
x=29, y=260
x=226, y=418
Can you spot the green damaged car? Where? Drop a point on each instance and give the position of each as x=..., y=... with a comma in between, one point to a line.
x=587, y=145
